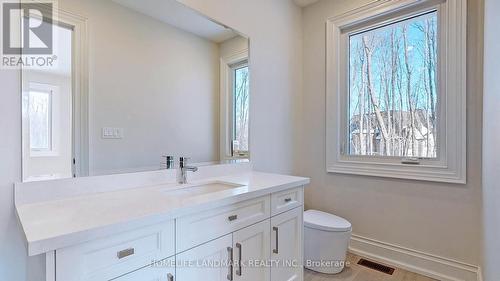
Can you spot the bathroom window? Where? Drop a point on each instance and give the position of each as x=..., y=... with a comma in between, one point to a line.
x=396, y=91
x=392, y=91
x=240, y=100
x=41, y=119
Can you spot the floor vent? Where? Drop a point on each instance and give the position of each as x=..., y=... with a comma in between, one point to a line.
x=376, y=266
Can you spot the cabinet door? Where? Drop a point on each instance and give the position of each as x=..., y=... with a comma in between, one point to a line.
x=207, y=262
x=286, y=246
x=160, y=271
x=251, y=252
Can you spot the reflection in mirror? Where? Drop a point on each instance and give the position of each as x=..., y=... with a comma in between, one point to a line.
x=134, y=81
x=240, y=116
x=47, y=114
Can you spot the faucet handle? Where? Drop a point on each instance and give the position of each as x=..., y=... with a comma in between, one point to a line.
x=169, y=161
x=183, y=161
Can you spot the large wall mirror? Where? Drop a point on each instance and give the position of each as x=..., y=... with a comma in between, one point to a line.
x=133, y=81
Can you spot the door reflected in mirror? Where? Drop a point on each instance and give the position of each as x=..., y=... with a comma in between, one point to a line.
x=134, y=81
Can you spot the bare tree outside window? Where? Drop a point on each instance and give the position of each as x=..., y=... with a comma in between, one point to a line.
x=241, y=110
x=393, y=97
x=39, y=110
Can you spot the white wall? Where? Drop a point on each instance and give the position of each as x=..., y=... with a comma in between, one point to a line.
x=14, y=262
x=232, y=46
x=275, y=31
x=157, y=82
x=440, y=219
x=12, y=249
x=491, y=141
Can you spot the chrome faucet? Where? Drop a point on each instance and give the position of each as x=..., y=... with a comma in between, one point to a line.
x=169, y=162
x=183, y=169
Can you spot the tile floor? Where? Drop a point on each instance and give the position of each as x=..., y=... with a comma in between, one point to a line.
x=355, y=272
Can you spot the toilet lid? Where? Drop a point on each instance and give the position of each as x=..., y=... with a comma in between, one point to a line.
x=325, y=221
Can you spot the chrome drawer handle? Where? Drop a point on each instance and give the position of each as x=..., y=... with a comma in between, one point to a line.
x=276, y=250
x=170, y=277
x=238, y=271
x=230, y=254
x=233, y=217
x=125, y=253
x=288, y=200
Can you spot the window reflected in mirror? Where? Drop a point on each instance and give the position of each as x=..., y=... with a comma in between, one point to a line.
x=241, y=103
x=47, y=114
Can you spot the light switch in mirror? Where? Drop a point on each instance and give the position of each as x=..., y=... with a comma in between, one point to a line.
x=133, y=81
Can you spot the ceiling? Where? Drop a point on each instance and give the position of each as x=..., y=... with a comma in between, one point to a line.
x=182, y=17
x=303, y=3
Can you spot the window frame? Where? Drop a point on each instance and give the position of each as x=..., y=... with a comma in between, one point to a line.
x=450, y=163
x=227, y=67
x=234, y=68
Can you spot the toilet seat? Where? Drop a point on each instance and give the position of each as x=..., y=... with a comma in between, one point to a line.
x=325, y=221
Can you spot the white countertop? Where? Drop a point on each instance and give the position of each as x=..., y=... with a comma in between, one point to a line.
x=50, y=225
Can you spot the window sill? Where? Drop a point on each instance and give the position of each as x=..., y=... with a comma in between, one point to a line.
x=35, y=154
x=237, y=157
x=433, y=173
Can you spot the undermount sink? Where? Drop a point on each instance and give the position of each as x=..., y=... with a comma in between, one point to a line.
x=201, y=188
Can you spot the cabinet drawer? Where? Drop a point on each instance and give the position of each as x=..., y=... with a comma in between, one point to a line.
x=108, y=258
x=286, y=200
x=163, y=271
x=193, y=230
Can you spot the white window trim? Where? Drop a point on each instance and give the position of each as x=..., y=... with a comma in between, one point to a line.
x=450, y=165
x=226, y=110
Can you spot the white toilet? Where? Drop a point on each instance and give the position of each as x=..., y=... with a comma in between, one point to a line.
x=326, y=238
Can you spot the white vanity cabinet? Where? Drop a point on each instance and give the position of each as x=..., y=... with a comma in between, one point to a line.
x=254, y=239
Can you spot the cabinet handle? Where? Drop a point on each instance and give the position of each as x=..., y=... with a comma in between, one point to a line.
x=276, y=250
x=125, y=253
x=233, y=217
x=230, y=273
x=170, y=277
x=239, y=272
x=288, y=200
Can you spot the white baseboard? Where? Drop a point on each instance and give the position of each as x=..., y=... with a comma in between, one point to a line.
x=479, y=274
x=415, y=261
